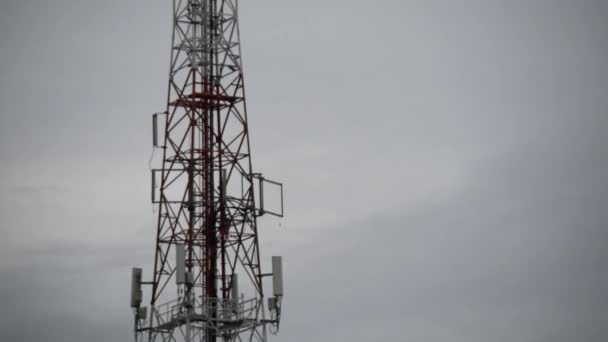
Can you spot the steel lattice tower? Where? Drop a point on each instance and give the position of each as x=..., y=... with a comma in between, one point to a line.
x=206, y=193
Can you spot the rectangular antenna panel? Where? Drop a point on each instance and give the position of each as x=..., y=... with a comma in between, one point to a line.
x=234, y=293
x=158, y=126
x=136, y=287
x=142, y=313
x=277, y=276
x=269, y=197
x=189, y=278
x=180, y=264
x=272, y=303
x=155, y=130
x=234, y=287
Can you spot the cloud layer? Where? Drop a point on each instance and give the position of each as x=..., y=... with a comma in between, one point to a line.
x=445, y=165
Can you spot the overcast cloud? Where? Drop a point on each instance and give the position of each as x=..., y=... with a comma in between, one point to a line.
x=445, y=164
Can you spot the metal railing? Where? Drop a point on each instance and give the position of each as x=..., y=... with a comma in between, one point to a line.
x=227, y=310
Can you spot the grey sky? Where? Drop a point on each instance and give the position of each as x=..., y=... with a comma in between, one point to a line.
x=445, y=165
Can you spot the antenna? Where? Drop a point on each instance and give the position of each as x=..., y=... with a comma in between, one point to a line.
x=180, y=264
x=136, y=294
x=277, y=276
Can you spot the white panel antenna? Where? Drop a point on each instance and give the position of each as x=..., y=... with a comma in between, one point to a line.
x=136, y=293
x=235, y=289
x=180, y=264
x=277, y=276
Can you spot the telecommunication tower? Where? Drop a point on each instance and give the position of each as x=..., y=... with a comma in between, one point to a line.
x=207, y=282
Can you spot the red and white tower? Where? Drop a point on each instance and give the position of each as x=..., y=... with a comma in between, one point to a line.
x=207, y=282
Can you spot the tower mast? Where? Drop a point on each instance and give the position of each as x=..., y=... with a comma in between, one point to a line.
x=205, y=192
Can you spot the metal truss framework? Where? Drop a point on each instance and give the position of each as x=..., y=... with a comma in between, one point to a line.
x=205, y=188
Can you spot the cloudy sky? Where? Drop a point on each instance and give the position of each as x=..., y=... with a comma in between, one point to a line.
x=446, y=165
